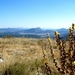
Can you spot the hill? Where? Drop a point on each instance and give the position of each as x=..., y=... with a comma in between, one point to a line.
x=32, y=32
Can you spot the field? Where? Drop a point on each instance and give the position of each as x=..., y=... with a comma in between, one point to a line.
x=23, y=56
x=45, y=56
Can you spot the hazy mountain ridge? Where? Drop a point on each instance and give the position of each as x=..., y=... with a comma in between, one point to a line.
x=38, y=32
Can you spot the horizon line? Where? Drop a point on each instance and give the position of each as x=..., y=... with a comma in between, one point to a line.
x=30, y=28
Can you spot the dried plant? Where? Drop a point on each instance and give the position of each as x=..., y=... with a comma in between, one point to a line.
x=67, y=57
x=48, y=69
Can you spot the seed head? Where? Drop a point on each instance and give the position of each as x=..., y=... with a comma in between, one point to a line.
x=73, y=26
x=73, y=63
x=56, y=33
x=44, y=51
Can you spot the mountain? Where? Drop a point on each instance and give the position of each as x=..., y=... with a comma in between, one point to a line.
x=32, y=32
x=63, y=32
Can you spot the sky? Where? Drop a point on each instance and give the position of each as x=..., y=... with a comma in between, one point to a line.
x=50, y=14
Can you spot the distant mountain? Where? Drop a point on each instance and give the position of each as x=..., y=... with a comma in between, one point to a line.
x=62, y=29
x=32, y=30
x=63, y=32
x=37, y=32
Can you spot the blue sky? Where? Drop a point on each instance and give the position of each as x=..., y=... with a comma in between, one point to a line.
x=50, y=14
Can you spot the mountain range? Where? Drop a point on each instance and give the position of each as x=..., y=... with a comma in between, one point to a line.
x=32, y=32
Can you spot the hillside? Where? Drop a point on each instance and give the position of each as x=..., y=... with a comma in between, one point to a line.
x=32, y=32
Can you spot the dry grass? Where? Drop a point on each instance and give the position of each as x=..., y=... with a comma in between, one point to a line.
x=24, y=51
x=20, y=51
x=27, y=52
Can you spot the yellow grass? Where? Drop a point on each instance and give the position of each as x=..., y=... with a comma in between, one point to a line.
x=19, y=50
x=24, y=50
